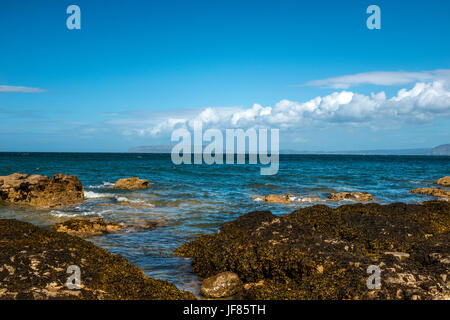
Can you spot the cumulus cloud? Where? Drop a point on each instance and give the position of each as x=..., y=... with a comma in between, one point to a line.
x=4, y=88
x=382, y=78
x=423, y=102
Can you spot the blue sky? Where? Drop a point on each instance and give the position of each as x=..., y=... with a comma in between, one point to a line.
x=138, y=69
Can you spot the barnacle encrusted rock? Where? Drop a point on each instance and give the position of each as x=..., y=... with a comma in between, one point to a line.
x=224, y=284
x=41, y=191
x=320, y=252
x=34, y=263
x=133, y=183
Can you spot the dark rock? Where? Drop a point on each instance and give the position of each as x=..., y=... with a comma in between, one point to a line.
x=324, y=253
x=34, y=262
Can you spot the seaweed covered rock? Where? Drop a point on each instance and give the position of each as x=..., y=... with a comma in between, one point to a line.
x=87, y=227
x=445, y=181
x=133, y=183
x=324, y=253
x=34, y=263
x=434, y=192
x=41, y=191
x=355, y=196
x=224, y=284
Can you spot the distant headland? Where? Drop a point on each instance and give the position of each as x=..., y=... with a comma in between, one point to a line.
x=442, y=150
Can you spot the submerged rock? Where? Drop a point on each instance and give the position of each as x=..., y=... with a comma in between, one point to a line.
x=435, y=192
x=34, y=263
x=224, y=284
x=41, y=191
x=445, y=181
x=85, y=228
x=323, y=253
x=133, y=183
x=135, y=205
x=356, y=196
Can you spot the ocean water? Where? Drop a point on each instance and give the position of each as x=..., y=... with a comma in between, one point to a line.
x=189, y=200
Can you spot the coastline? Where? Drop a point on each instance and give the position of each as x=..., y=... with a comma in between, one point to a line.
x=315, y=252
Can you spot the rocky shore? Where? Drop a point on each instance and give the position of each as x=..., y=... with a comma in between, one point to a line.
x=34, y=263
x=324, y=253
x=316, y=252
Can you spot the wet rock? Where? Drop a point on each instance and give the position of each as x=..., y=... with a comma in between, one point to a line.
x=41, y=191
x=276, y=198
x=356, y=196
x=86, y=228
x=435, y=192
x=445, y=181
x=90, y=227
x=225, y=284
x=320, y=252
x=133, y=183
x=286, y=198
x=34, y=263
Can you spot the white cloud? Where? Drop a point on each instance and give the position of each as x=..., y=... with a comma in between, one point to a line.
x=20, y=89
x=382, y=78
x=423, y=102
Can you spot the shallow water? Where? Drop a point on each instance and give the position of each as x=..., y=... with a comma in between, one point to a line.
x=189, y=200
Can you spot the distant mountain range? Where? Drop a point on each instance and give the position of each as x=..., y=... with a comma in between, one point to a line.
x=442, y=150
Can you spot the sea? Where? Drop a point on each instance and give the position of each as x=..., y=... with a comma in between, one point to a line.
x=186, y=201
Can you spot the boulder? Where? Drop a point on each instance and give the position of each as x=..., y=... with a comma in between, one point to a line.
x=435, y=192
x=34, y=263
x=445, y=181
x=41, y=191
x=224, y=284
x=355, y=196
x=85, y=228
x=133, y=183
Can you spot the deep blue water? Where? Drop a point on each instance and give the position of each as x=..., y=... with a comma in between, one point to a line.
x=189, y=200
